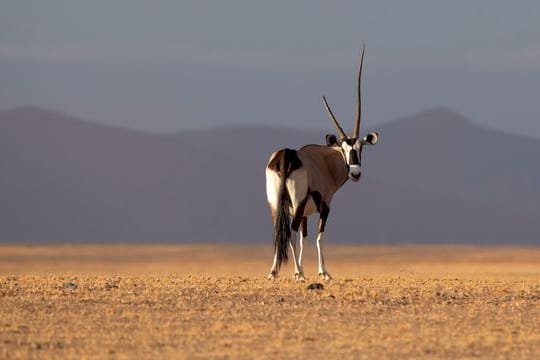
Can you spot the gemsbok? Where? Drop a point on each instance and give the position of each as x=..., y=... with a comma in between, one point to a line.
x=302, y=182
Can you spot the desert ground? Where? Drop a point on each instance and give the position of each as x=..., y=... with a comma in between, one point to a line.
x=214, y=301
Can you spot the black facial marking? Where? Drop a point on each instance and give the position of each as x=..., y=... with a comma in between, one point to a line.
x=353, y=157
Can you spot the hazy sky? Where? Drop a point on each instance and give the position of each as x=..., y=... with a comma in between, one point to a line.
x=169, y=65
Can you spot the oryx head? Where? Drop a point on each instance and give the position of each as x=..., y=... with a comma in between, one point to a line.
x=351, y=146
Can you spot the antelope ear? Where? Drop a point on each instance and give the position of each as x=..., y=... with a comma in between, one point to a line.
x=371, y=138
x=331, y=140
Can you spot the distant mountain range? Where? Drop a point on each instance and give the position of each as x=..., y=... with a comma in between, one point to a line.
x=434, y=177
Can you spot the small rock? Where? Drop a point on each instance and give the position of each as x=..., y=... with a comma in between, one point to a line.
x=70, y=286
x=315, y=286
x=112, y=284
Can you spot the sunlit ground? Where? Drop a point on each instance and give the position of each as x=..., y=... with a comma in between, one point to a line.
x=191, y=301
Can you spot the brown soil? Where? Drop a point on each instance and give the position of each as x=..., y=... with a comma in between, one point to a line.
x=213, y=301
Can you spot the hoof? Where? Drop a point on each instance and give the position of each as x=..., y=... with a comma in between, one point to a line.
x=299, y=277
x=325, y=276
x=272, y=275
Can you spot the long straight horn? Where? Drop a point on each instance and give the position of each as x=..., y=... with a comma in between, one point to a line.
x=341, y=133
x=356, y=132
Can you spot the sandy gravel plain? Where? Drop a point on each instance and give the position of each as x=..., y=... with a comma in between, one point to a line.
x=213, y=301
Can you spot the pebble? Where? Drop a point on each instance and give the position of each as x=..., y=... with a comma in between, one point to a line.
x=315, y=286
x=70, y=286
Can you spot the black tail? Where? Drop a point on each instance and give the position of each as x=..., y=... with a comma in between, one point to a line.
x=285, y=164
x=282, y=227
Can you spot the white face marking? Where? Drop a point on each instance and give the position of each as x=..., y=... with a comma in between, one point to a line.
x=346, y=147
x=354, y=172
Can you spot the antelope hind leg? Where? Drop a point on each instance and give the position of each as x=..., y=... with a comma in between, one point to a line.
x=273, y=271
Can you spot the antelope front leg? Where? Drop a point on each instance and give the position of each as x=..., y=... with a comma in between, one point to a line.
x=299, y=275
x=303, y=235
x=323, y=273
